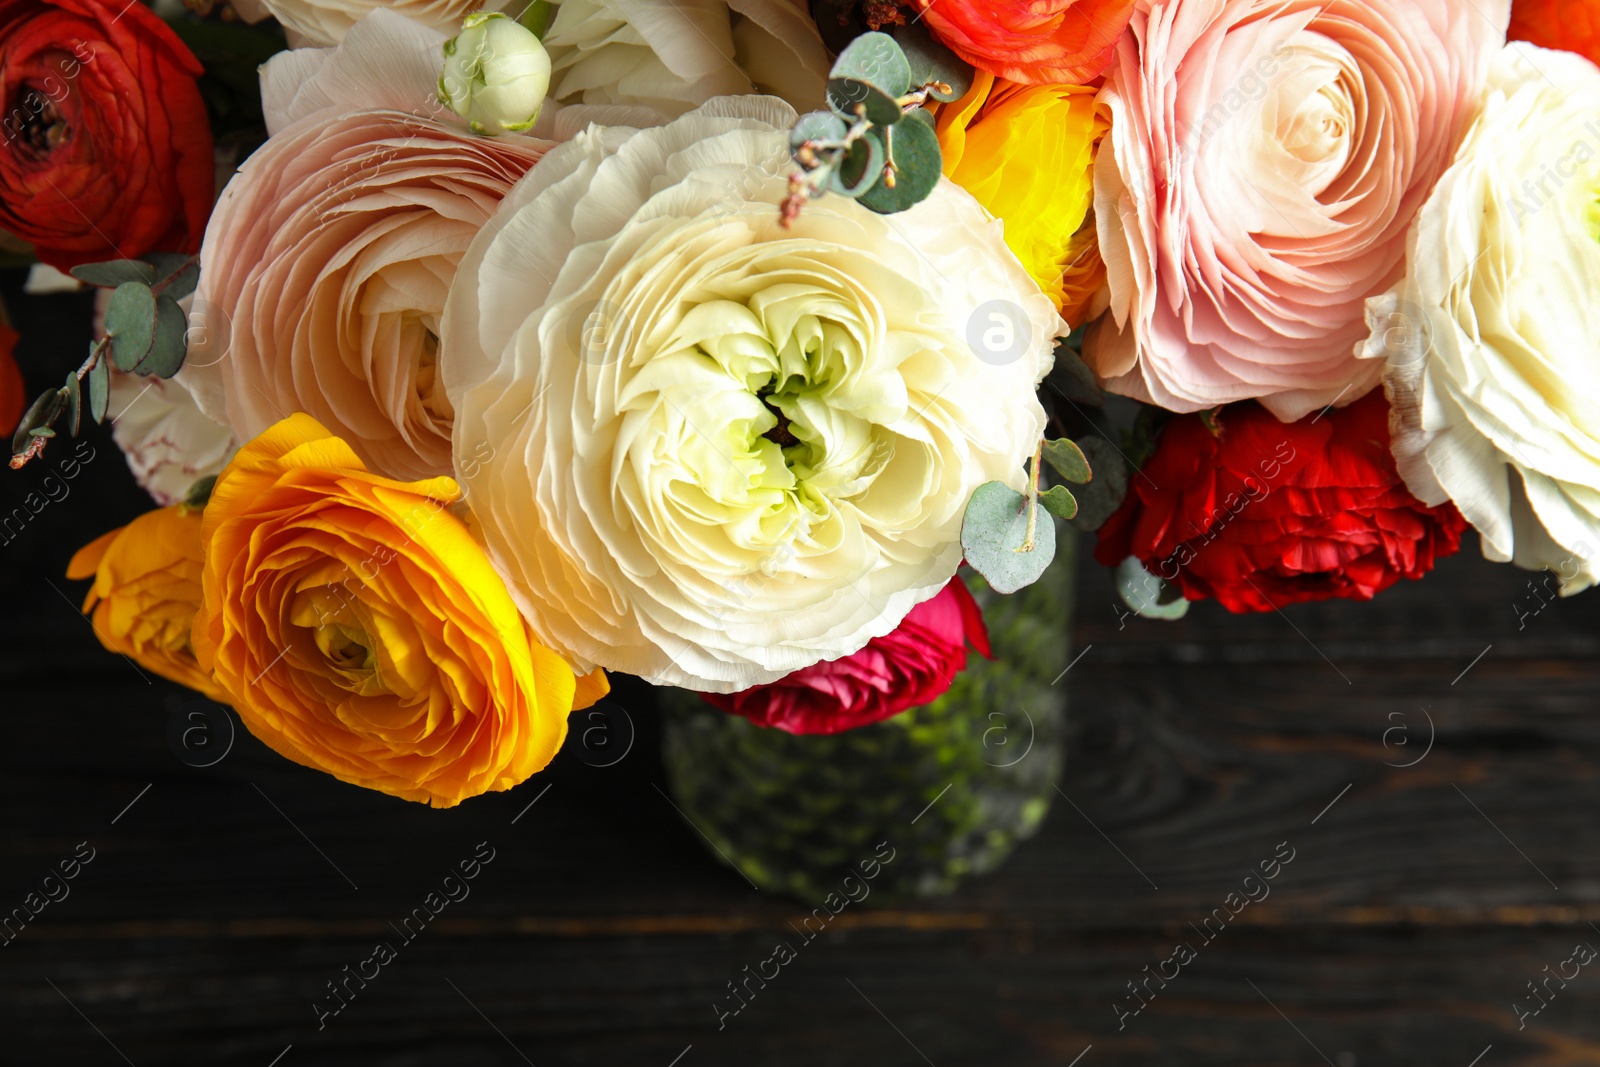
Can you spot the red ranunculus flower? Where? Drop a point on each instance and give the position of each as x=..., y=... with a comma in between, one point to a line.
x=1261, y=513
x=1036, y=42
x=911, y=665
x=1570, y=25
x=107, y=150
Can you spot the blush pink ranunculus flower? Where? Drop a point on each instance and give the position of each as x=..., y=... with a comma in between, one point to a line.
x=327, y=261
x=1265, y=161
x=911, y=665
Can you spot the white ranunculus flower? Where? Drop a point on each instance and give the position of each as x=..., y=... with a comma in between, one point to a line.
x=1493, y=338
x=710, y=451
x=325, y=22
x=671, y=55
x=169, y=442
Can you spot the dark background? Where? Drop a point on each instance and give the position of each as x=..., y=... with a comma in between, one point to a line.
x=1416, y=910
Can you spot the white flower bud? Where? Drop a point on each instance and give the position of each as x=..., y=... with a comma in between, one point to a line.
x=496, y=74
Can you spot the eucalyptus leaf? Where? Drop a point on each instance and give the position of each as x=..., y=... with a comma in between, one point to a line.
x=42, y=412
x=99, y=390
x=42, y=431
x=74, y=402
x=931, y=61
x=876, y=59
x=1059, y=502
x=199, y=494
x=914, y=149
x=1103, y=495
x=180, y=274
x=131, y=324
x=922, y=115
x=845, y=95
x=1068, y=460
x=817, y=126
x=859, y=169
x=111, y=274
x=1146, y=594
x=537, y=17
x=171, y=342
x=993, y=533
x=1072, y=376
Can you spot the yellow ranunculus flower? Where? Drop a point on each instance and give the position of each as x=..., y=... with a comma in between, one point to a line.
x=1026, y=152
x=146, y=592
x=360, y=629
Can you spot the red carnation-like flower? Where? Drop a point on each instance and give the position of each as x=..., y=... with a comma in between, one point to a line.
x=1570, y=25
x=1261, y=513
x=912, y=665
x=1035, y=42
x=107, y=149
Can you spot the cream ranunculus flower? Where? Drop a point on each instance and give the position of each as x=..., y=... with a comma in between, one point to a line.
x=325, y=22
x=718, y=450
x=671, y=55
x=1492, y=340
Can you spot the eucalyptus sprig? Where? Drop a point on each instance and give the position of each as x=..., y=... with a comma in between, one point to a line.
x=145, y=333
x=875, y=143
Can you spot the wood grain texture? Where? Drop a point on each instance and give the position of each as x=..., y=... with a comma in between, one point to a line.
x=1420, y=902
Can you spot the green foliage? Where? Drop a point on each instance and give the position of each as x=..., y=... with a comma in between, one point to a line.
x=1072, y=376
x=131, y=324
x=1068, y=460
x=872, y=59
x=99, y=390
x=858, y=171
x=199, y=494
x=917, y=162
x=931, y=62
x=115, y=272
x=1149, y=596
x=537, y=17
x=40, y=415
x=74, y=402
x=994, y=538
x=1059, y=502
x=1104, y=493
x=147, y=328
x=864, y=146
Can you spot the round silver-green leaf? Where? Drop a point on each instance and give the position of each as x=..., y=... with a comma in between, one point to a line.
x=131, y=324
x=994, y=532
x=876, y=59
x=914, y=150
x=859, y=169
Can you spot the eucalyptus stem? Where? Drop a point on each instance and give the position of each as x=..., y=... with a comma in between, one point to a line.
x=1033, y=499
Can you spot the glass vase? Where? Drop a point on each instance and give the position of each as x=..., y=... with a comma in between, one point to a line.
x=944, y=791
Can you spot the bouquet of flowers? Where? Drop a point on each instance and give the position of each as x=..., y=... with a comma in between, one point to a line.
x=760, y=348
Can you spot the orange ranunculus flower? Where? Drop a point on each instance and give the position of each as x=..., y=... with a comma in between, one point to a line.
x=1026, y=152
x=1570, y=25
x=1036, y=42
x=360, y=629
x=146, y=592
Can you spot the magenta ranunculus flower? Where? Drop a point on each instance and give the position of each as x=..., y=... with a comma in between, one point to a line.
x=908, y=666
x=1265, y=161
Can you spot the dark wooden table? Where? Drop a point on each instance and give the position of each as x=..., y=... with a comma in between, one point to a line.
x=1420, y=903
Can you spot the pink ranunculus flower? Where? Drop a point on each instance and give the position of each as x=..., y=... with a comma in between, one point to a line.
x=330, y=253
x=1265, y=161
x=911, y=665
